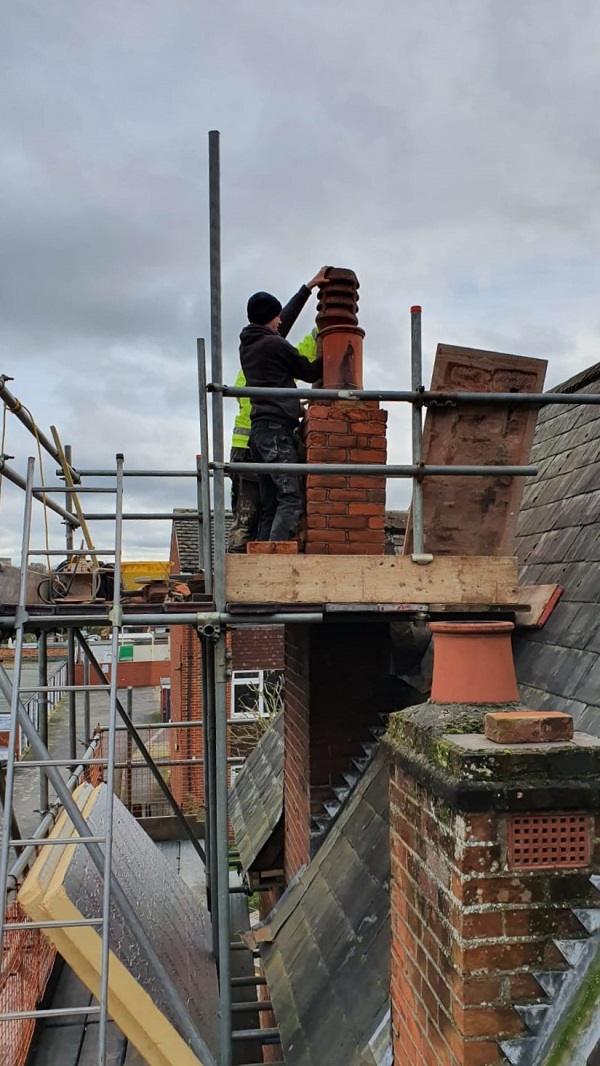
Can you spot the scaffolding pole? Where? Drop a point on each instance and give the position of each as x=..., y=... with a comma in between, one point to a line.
x=122, y=901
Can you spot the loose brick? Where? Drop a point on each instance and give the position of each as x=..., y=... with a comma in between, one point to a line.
x=528, y=727
x=260, y=547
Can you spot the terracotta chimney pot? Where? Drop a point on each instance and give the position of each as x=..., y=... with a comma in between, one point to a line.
x=473, y=663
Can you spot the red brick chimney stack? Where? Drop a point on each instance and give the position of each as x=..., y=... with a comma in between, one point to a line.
x=345, y=514
x=492, y=835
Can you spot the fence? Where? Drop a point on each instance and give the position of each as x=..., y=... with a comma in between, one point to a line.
x=27, y=962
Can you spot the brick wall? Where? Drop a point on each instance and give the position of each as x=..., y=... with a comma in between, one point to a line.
x=257, y=648
x=296, y=750
x=130, y=674
x=251, y=649
x=466, y=930
x=337, y=683
x=345, y=515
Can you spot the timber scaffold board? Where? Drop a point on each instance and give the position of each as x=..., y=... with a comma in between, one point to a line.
x=310, y=579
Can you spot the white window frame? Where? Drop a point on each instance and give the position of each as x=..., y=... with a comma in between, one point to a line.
x=248, y=677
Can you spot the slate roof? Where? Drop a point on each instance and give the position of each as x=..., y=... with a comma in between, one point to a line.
x=186, y=537
x=256, y=796
x=328, y=965
x=558, y=666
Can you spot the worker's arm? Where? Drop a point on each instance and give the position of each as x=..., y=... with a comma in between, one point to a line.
x=292, y=309
x=302, y=369
x=298, y=302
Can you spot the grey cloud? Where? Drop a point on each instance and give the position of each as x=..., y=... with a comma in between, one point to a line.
x=447, y=152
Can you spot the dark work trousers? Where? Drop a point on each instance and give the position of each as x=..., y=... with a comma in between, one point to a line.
x=281, y=496
x=245, y=504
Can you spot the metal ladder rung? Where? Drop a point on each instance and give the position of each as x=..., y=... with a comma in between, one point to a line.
x=56, y=1012
x=70, y=551
x=247, y=1008
x=39, y=764
x=44, y=842
x=74, y=489
x=54, y=925
x=64, y=688
x=262, y=1036
x=240, y=982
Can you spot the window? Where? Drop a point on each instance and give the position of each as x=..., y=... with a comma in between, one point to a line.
x=256, y=693
x=248, y=694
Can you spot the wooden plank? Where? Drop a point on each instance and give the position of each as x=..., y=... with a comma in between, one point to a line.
x=542, y=600
x=476, y=515
x=370, y=579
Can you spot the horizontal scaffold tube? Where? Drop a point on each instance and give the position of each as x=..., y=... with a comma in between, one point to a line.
x=425, y=398
x=378, y=469
x=65, y=621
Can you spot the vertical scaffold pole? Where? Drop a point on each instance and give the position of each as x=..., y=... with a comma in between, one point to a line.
x=87, y=726
x=416, y=367
x=116, y=616
x=72, y=696
x=43, y=712
x=220, y=653
x=69, y=503
x=202, y=462
x=14, y=701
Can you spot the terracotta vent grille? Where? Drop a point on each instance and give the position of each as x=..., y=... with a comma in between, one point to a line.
x=561, y=841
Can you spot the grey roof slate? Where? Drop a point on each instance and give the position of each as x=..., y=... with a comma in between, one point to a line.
x=558, y=540
x=186, y=537
x=256, y=796
x=328, y=965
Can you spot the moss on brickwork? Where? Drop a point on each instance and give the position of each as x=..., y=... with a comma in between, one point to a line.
x=423, y=736
x=578, y=1018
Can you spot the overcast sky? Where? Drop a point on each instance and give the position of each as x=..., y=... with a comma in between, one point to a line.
x=448, y=152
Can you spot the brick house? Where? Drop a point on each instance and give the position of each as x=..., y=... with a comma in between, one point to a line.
x=257, y=661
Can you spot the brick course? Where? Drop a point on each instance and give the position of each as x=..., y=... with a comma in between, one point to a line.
x=258, y=648
x=345, y=514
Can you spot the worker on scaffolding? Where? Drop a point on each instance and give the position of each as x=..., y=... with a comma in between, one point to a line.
x=269, y=361
x=245, y=491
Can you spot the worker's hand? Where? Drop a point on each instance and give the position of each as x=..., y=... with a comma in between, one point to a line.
x=319, y=279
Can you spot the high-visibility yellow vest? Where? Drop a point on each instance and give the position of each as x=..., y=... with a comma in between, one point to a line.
x=242, y=424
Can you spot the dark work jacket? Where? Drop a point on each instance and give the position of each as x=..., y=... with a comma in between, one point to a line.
x=269, y=361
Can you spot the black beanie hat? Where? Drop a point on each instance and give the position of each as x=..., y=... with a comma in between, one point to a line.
x=262, y=308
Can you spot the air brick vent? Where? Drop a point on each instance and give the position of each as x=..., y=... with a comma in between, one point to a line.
x=538, y=841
